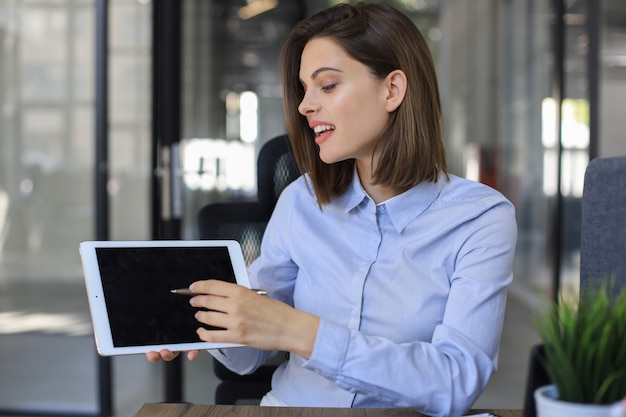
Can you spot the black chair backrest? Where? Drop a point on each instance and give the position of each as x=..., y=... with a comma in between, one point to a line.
x=241, y=221
x=276, y=168
x=245, y=221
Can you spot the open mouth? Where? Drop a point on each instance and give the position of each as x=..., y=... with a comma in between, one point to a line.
x=321, y=129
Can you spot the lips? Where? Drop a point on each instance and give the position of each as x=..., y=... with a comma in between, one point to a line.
x=321, y=129
x=322, y=132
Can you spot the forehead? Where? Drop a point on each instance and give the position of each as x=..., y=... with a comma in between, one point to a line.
x=323, y=52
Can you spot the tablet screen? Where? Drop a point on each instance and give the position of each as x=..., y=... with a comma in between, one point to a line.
x=136, y=283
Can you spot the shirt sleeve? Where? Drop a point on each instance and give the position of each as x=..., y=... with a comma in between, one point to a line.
x=446, y=375
x=241, y=360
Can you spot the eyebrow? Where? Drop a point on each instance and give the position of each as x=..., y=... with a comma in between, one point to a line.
x=322, y=69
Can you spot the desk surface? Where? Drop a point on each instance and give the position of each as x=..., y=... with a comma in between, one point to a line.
x=202, y=410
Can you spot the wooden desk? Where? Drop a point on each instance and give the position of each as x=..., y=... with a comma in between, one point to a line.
x=203, y=410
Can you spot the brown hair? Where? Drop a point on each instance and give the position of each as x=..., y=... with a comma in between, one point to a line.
x=383, y=39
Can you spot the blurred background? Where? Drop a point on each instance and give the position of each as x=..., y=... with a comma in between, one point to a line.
x=119, y=119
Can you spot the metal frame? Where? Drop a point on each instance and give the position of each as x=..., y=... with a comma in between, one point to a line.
x=105, y=383
x=166, y=92
x=593, y=73
x=558, y=94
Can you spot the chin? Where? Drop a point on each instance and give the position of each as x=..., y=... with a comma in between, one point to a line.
x=329, y=155
x=330, y=159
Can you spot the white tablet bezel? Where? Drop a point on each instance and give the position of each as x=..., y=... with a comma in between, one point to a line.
x=97, y=302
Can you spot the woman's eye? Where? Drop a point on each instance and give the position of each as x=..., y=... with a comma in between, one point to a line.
x=328, y=87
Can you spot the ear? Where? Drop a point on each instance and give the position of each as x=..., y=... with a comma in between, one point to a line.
x=396, y=85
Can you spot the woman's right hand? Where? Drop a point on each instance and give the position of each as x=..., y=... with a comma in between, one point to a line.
x=167, y=355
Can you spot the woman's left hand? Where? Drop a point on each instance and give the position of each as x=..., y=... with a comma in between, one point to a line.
x=252, y=319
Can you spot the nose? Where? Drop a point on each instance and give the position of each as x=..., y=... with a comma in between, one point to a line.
x=308, y=105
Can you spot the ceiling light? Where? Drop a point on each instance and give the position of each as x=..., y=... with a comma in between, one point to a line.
x=256, y=7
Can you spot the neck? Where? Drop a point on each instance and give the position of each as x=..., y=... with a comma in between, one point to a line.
x=377, y=192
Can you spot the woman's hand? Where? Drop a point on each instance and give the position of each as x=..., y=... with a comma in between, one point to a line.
x=167, y=355
x=251, y=319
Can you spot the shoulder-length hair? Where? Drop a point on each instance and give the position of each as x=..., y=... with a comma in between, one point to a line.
x=383, y=39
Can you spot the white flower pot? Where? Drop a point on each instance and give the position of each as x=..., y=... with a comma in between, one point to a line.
x=548, y=405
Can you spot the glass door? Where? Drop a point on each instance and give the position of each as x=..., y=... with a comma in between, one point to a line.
x=47, y=148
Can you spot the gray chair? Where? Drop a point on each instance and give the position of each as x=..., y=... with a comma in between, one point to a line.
x=603, y=225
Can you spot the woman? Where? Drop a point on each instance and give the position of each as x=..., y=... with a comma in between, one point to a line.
x=387, y=276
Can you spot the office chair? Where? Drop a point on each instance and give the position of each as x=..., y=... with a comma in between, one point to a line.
x=603, y=226
x=276, y=168
x=246, y=222
x=602, y=246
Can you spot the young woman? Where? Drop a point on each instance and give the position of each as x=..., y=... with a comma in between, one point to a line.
x=387, y=276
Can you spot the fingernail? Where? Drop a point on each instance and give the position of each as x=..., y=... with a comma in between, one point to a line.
x=192, y=301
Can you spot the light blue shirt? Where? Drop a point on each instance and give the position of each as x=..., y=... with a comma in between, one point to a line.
x=411, y=294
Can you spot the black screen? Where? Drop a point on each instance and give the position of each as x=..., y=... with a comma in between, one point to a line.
x=137, y=284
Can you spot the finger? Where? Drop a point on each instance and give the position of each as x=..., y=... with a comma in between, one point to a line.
x=168, y=355
x=153, y=356
x=212, y=318
x=210, y=302
x=215, y=336
x=193, y=354
x=213, y=286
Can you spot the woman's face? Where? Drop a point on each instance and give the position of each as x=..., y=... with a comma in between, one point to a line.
x=343, y=102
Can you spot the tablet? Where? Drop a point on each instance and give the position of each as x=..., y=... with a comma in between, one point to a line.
x=129, y=287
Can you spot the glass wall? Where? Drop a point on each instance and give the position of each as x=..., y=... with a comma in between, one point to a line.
x=47, y=98
x=47, y=187
x=612, y=78
x=232, y=54
x=47, y=132
x=496, y=63
x=516, y=84
x=130, y=84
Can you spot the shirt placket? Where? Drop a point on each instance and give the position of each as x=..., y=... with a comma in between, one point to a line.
x=369, y=248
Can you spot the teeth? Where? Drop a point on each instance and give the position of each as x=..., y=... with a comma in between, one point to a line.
x=322, y=128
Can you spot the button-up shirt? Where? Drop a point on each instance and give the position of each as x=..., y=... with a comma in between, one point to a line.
x=411, y=294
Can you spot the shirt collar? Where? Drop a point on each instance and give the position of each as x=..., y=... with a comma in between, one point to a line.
x=406, y=207
x=403, y=208
x=355, y=194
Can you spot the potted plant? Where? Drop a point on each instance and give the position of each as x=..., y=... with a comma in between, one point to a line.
x=584, y=353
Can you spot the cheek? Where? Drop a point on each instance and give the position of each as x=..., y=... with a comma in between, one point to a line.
x=344, y=102
x=352, y=107
x=365, y=112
